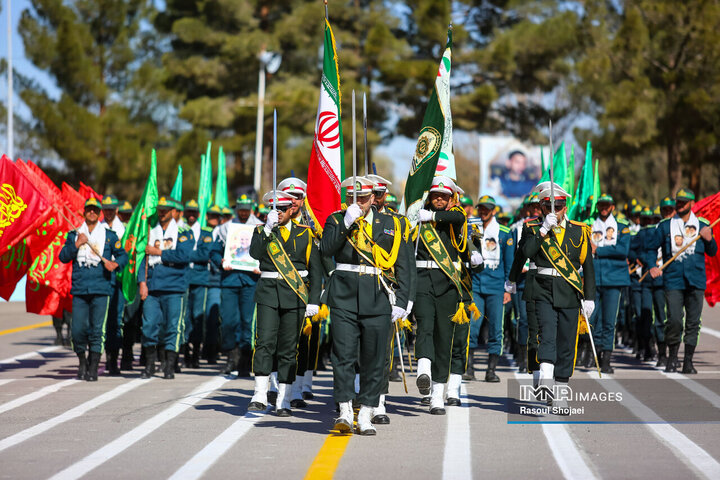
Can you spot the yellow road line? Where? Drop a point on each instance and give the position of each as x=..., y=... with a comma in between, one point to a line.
x=328, y=458
x=27, y=327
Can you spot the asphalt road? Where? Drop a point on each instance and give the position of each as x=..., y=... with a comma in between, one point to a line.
x=51, y=426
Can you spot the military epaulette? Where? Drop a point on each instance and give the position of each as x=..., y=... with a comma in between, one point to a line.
x=622, y=221
x=459, y=208
x=703, y=219
x=530, y=224
x=207, y=229
x=584, y=225
x=503, y=228
x=664, y=220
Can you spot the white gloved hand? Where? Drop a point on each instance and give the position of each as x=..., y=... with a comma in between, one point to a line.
x=311, y=310
x=476, y=258
x=352, y=213
x=271, y=221
x=588, y=307
x=510, y=287
x=549, y=222
x=425, y=215
x=397, y=314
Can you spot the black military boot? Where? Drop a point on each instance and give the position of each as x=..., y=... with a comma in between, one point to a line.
x=245, y=362
x=580, y=355
x=490, y=375
x=82, y=366
x=605, y=366
x=126, y=362
x=233, y=357
x=150, y=357
x=522, y=359
x=688, y=360
x=162, y=357
x=58, y=323
x=394, y=372
x=111, y=357
x=648, y=354
x=176, y=363
x=93, y=363
x=195, y=357
x=662, y=355
x=211, y=351
x=469, y=374
x=187, y=356
x=672, y=361
x=170, y=362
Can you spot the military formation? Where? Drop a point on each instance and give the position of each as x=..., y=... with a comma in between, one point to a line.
x=373, y=289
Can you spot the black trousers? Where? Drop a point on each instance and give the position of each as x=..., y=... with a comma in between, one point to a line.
x=276, y=334
x=363, y=340
x=683, y=305
x=533, y=337
x=438, y=337
x=558, y=337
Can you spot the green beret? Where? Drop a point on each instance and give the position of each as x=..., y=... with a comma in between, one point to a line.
x=667, y=202
x=92, y=202
x=685, y=194
x=110, y=201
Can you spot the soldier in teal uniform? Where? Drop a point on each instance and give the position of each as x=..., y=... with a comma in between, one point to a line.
x=610, y=248
x=287, y=293
x=91, y=249
x=684, y=279
x=163, y=286
x=365, y=245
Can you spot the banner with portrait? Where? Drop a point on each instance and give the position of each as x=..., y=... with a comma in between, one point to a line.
x=237, y=247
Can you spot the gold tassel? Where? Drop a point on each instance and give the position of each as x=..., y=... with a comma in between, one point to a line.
x=307, y=328
x=475, y=311
x=405, y=324
x=461, y=316
x=322, y=314
x=583, y=325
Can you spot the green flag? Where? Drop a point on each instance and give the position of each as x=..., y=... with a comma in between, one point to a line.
x=570, y=174
x=221, y=191
x=205, y=187
x=137, y=233
x=430, y=140
x=559, y=167
x=177, y=188
x=584, y=188
x=542, y=160
x=596, y=191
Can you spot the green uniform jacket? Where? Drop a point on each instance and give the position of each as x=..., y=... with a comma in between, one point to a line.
x=433, y=280
x=557, y=290
x=276, y=292
x=356, y=293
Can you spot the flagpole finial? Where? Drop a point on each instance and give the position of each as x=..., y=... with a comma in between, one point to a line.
x=326, y=8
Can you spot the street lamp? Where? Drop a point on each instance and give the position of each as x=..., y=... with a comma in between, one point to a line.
x=270, y=62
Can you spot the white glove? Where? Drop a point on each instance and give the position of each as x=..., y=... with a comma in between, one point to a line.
x=588, y=307
x=271, y=221
x=311, y=310
x=476, y=258
x=352, y=213
x=549, y=222
x=510, y=287
x=397, y=314
x=425, y=215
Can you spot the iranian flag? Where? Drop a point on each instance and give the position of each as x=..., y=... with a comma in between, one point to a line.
x=434, y=142
x=327, y=159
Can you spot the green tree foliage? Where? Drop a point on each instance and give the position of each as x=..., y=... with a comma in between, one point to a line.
x=94, y=51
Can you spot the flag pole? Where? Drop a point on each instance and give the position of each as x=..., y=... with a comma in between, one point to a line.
x=354, y=149
x=367, y=159
x=552, y=176
x=10, y=127
x=275, y=159
x=326, y=10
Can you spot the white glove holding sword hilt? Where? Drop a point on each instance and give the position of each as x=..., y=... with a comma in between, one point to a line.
x=425, y=215
x=273, y=218
x=352, y=213
x=397, y=314
x=311, y=310
x=588, y=307
x=549, y=223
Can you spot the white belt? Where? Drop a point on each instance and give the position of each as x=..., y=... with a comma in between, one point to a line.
x=361, y=269
x=303, y=273
x=432, y=264
x=548, y=271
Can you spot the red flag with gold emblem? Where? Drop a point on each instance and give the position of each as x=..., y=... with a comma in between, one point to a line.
x=23, y=207
x=14, y=263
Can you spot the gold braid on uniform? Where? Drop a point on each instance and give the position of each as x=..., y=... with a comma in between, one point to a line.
x=461, y=315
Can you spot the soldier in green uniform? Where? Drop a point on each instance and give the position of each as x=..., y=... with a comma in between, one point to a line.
x=287, y=292
x=366, y=246
x=443, y=294
x=559, y=247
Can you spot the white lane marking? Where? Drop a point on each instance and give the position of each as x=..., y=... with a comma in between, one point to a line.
x=35, y=395
x=565, y=450
x=199, y=464
x=70, y=414
x=686, y=450
x=36, y=353
x=709, y=331
x=6, y=380
x=695, y=387
x=123, y=442
x=457, y=461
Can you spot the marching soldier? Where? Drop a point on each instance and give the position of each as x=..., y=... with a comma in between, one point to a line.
x=163, y=284
x=610, y=248
x=288, y=291
x=684, y=279
x=559, y=248
x=236, y=293
x=366, y=246
x=90, y=248
x=125, y=212
x=442, y=293
x=489, y=293
x=644, y=258
x=114, y=324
